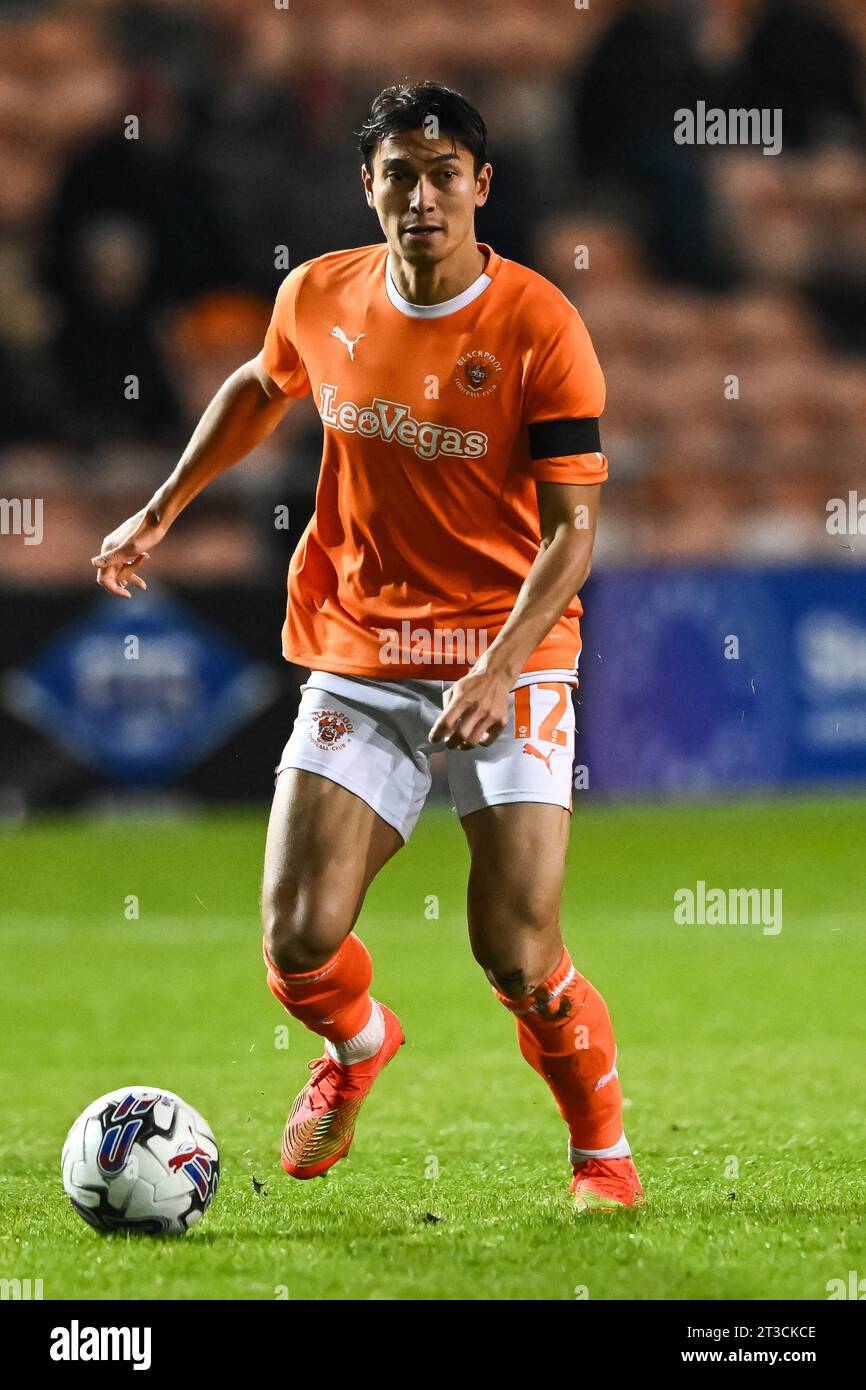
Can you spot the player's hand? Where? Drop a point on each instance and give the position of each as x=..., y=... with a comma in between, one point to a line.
x=124, y=549
x=475, y=710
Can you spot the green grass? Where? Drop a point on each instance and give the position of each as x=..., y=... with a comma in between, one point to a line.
x=734, y=1047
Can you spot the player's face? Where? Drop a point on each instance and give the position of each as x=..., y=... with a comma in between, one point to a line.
x=425, y=193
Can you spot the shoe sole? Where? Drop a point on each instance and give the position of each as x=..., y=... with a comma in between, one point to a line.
x=582, y=1203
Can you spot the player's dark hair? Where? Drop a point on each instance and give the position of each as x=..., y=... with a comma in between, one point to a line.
x=409, y=106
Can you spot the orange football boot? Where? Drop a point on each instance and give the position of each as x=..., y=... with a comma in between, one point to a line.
x=602, y=1184
x=321, y=1123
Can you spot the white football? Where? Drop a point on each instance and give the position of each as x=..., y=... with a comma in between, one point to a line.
x=141, y=1159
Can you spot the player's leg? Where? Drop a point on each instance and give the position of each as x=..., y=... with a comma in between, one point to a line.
x=515, y=881
x=563, y=1026
x=324, y=847
x=514, y=800
x=325, y=844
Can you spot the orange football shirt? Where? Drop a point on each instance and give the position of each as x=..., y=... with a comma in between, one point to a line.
x=426, y=517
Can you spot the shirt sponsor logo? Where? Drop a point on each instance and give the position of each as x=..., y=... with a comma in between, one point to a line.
x=393, y=422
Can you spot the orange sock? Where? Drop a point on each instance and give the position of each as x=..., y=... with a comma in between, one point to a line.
x=333, y=1001
x=565, y=1033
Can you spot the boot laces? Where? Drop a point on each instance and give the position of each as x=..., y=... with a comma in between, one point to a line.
x=326, y=1068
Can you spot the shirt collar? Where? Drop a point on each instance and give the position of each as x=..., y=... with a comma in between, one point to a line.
x=436, y=311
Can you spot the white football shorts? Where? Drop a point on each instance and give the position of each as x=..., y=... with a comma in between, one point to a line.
x=371, y=737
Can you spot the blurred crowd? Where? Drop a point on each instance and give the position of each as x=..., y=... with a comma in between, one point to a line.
x=160, y=159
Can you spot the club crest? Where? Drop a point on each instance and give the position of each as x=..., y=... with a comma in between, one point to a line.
x=477, y=372
x=331, y=729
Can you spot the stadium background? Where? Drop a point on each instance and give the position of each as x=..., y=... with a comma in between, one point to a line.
x=154, y=257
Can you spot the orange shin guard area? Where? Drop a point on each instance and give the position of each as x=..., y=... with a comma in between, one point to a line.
x=333, y=1001
x=565, y=1034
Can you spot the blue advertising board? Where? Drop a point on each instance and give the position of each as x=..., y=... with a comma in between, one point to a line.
x=694, y=681
x=701, y=680
x=140, y=690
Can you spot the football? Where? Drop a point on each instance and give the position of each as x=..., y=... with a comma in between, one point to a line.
x=140, y=1159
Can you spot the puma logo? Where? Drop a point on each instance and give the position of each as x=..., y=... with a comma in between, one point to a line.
x=545, y=757
x=608, y=1076
x=348, y=343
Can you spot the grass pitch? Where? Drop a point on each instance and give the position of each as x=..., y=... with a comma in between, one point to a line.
x=741, y=1056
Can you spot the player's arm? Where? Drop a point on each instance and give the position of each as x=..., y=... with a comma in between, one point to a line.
x=478, y=709
x=568, y=513
x=246, y=409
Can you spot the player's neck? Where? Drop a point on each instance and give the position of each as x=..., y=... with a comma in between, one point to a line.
x=434, y=284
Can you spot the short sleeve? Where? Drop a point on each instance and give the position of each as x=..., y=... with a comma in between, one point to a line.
x=563, y=399
x=281, y=357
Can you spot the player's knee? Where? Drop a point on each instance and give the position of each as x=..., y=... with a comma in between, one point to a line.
x=503, y=938
x=504, y=963
x=514, y=983
x=302, y=930
x=509, y=951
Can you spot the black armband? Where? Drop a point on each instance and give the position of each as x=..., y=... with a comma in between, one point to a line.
x=553, y=439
